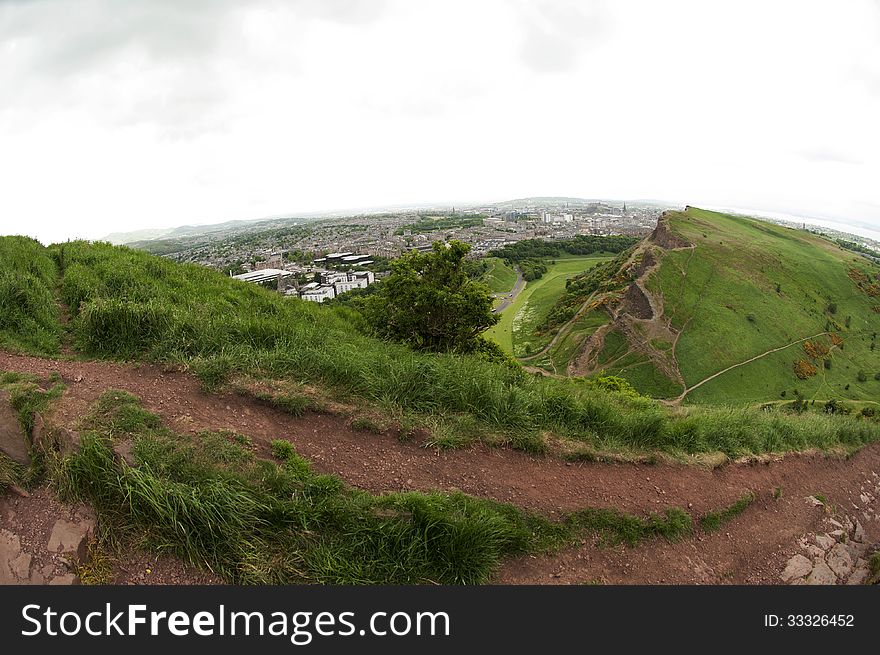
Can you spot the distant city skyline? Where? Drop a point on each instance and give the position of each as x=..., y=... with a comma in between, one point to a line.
x=160, y=113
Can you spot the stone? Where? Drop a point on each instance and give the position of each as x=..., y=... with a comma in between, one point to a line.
x=65, y=579
x=822, y=575
x=860, y=573
x=815, y=551
x=124, y=451
x=14, y=564
x=839, y=535
x=812, y=500
x=54, y=438
x=859, y=534
x=13, y=440
x=840, y=561
x=856, y=549
x=824, y=541
x=797, y=567
x=836, y=523
x=71, y=538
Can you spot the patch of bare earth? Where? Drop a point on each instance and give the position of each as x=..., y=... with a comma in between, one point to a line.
x=753, y=548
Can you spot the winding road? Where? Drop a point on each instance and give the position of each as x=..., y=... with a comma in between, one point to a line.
x=510, y=296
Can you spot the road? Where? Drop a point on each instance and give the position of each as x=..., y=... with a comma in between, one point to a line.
x=510, y=296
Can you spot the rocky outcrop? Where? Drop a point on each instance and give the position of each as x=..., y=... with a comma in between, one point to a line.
x=636, y=303
x=14, y=441
x=664, y=237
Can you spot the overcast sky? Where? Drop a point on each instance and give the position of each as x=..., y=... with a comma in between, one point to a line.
x=155, y=113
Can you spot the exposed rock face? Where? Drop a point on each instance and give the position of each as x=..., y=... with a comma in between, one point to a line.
x=664, y=237
x=822, y=575
x=647, y=261
x=636, y=303
x=53, y=438
x=14, y=564
x=13, y=440
x=840, y=561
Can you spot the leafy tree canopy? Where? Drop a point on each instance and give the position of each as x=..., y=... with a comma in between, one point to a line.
x=429, y=302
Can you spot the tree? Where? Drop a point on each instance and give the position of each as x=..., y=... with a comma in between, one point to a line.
x=429, y=302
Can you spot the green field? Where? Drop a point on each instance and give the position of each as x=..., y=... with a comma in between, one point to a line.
x=500, y=277
x=515, y=332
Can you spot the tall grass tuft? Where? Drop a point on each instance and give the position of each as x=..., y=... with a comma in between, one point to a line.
x=29, y=316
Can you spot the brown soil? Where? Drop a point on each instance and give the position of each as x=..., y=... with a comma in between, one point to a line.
x=754, y=550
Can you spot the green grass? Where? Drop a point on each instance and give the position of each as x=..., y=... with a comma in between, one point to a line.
x=28, y=397
x=615, y=527
x=118, y=412
x=29, y=316
x=11, y=473
x=515, y=332
x=211, y=501
x=732, y=310
x=713, y=521
x=126, y=304
x=500, y=277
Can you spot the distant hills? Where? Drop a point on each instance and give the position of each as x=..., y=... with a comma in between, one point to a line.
x=216, y=229
x=242, y=226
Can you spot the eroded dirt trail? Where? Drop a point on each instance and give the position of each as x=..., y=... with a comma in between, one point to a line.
x=382, y=463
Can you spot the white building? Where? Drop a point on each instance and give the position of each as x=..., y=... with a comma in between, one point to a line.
x=347, y=285
x=319, y=293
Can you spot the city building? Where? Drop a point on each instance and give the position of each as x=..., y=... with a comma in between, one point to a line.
x=319, y=293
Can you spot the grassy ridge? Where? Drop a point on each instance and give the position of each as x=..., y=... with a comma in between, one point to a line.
x=751, y=286
x=211, y=500
x=29, y=317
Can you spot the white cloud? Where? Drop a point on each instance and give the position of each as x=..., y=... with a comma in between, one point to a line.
x=119, y=116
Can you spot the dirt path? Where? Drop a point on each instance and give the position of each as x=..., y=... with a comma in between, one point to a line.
x=381, y=463
x=678, y=400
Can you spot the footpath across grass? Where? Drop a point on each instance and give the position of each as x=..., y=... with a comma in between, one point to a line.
x=215, y=500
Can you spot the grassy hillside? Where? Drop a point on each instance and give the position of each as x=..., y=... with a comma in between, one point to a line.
x=500, y=277
x=130, y=305
x=29, y=317
x=517, y=331
x=746, y=288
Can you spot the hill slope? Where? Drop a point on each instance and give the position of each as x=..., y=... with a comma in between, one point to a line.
x=726, y=309
x=126, y=304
